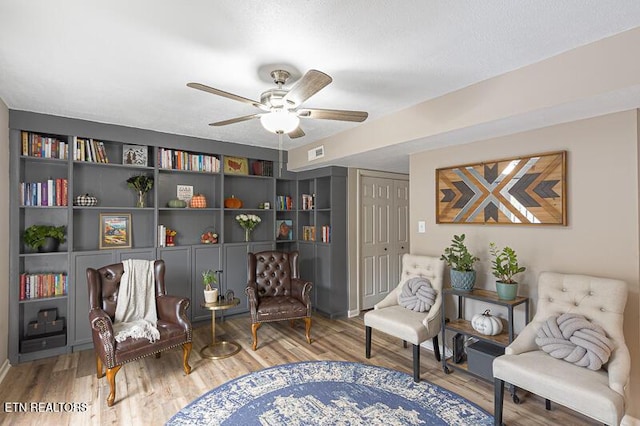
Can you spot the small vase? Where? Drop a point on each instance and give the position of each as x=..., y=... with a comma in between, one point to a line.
x=140, y=202
x=247, y=234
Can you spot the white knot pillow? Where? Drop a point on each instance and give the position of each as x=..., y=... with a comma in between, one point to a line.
x=417, y=295
x=575, y=339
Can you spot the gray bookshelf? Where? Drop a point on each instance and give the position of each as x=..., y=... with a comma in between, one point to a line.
x=324, y=263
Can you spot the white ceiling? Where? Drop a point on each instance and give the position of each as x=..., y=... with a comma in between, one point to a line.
x=128, y=62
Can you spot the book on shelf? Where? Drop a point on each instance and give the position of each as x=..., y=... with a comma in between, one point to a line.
x=326, y=234
x=309, y=233
x=36, y=145
x=162, y=236
x=308, y=201
x=284, y=202
x=36, y=286
x=52, y=192
x=182, y=160
x=89, y=150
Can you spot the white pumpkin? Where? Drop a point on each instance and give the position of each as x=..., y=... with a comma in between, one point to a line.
x=486, y=324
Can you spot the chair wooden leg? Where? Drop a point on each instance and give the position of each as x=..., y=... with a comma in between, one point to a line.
x=416, y=363
x=547, y=404
x=367, y=343
x=291, y=323
x=404, y=344
x=111, y=378
x=186, y=351
x=436, y=348
x=498, y=396
x=254, y=332
x=100, y=373
x=307, y=329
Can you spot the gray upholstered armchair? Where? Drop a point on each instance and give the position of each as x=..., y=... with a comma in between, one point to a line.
x=414, y=327
x=597, y=394
x=276, y=292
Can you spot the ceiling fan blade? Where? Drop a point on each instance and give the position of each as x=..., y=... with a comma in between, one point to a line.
x=297, y=133
x=235, y=120
x=219, y=92
x=333, y=114
x=310, y=84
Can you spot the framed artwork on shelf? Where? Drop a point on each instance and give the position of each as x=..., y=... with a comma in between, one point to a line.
x=527, y=190
x=115, y=230
x=135, y=155
x=236, y=166
x=184, y=192
x=284, y=229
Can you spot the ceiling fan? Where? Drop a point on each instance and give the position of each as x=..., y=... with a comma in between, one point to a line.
x=281, y=108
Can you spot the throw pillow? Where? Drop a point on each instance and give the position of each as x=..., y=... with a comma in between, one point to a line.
x=417, y=294
x=575, y=339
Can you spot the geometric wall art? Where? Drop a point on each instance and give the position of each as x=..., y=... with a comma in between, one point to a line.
x=526, y=190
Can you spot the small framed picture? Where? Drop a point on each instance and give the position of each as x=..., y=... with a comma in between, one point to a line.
x=284, y=229
x=135, y=155
x=115, y=230
x=236, y=166
x=184, y=192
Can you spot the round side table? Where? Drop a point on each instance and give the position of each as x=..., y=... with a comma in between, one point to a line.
x=219, y=349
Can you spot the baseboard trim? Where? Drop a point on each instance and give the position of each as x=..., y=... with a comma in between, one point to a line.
x=443, y=349
x=4, y=369
x=353, y=313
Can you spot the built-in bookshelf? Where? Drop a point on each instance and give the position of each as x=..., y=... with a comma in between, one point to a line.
x=49, y=170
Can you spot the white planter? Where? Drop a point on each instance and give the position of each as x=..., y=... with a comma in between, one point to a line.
x=211, y=296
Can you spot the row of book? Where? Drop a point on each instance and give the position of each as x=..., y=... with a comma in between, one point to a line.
x=309, y=233
x=162, y=236
x=89, y=150
x=53, y=192
x=35, y=286
x=35, y=145
x=308, y=201
x=182, y=160
x=284, y=202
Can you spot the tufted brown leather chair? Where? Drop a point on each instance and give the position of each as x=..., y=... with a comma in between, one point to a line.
x=173, y=324
x=276, y=292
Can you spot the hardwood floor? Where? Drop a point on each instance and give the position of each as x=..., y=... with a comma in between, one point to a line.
x=151, y=390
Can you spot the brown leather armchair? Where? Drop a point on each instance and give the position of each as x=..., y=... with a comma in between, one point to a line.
x=276, y=292
x=173, y=324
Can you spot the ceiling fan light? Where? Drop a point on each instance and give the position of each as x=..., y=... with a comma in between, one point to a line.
x=280, y=121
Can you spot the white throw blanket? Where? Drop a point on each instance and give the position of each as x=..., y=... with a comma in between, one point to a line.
x=417, y=295
x=136, y=314
x=575, y=339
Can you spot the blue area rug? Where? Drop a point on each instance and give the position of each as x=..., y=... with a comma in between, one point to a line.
x=329, y=393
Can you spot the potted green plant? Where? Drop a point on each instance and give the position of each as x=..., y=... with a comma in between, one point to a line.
x=142, y=184
x=208, y=281
x=505, y=266
x=44, y=238
x=460, y=262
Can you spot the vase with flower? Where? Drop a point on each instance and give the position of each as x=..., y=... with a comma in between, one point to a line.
x=248, y=222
